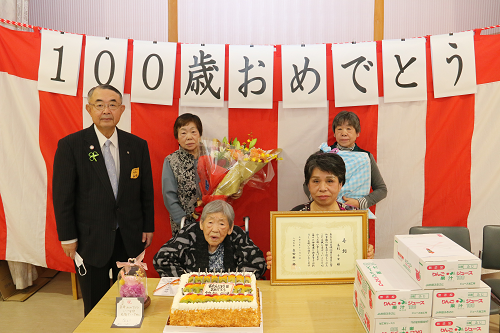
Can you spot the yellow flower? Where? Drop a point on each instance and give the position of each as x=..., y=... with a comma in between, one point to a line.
x=246, y=159
x=254, y=159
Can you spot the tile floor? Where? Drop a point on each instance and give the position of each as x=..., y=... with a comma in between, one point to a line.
x=53, y=310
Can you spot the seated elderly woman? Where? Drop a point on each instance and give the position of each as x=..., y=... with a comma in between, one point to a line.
x=214, y=244
x=324, y=176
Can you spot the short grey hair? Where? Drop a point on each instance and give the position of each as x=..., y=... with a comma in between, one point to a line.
x=104, y=87
x=219, y=206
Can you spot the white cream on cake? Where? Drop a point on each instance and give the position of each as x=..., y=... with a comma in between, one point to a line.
x=177, y=305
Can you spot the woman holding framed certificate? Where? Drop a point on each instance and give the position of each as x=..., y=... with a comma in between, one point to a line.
x=324, y=175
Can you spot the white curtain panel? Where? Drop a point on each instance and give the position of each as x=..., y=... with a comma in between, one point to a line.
x=485, y=162
x=26, y=241
x=264, y=22
x=129, y=19
x=23, y=274
x=405, y=19
x=14, y=10
x=403, y=170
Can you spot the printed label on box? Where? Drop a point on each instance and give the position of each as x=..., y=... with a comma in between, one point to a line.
x=462, y=302
x=460, y=324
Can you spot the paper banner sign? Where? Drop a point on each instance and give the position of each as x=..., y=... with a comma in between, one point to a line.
x=202, y=75
x=153, y=72
x=303, y=70
x=404, y=64
x=251, y=71
x=251, y=76
x=60, y=55
x=105, y=62
x=355, y=74
x=453, y=64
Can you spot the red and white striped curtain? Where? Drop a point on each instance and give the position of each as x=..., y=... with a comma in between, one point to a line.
x=437, y=157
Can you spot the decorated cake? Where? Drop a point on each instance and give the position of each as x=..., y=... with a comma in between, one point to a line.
x=216, y=300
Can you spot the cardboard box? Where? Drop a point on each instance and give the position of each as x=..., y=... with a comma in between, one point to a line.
x=462, y=302
x=389, y=325
x=460, y=324
x=436, y=262
x=389, y=292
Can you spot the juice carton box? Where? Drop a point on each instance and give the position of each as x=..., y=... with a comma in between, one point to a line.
x=389, y=325
x=462, y=302
x=389, y=292
x=436, y=262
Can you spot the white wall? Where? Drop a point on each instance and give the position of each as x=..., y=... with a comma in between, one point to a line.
x=140, y=20
x=262, y=21
x=405, y=19
x=275, y=21
x=14, y=10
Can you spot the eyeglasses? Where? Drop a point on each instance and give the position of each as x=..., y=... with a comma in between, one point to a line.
x=102, y=106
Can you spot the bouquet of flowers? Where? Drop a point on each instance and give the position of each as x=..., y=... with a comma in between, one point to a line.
x=225, y=167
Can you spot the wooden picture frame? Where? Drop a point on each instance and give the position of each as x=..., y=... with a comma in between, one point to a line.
x=336, y=239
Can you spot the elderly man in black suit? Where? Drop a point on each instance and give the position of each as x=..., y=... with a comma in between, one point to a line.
x=102, y=194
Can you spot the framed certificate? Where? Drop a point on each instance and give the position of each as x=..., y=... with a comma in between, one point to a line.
x=317, y=247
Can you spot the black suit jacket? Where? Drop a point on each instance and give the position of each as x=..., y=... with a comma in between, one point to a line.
x=84, y=203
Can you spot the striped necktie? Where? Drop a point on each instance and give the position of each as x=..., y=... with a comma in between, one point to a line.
x=110, y=166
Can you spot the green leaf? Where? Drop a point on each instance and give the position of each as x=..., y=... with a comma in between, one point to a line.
x=224, y=140
x=252, y=143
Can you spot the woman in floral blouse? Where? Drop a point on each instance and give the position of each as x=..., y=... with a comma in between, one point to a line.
x=180, y=179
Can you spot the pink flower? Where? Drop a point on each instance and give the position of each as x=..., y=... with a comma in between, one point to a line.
x=133, y=290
